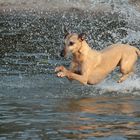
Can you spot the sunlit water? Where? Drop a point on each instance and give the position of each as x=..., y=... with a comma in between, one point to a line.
x=34, y=103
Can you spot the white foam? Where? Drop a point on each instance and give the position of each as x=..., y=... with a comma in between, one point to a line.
x=131, y=85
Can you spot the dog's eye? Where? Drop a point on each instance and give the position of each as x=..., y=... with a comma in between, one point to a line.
x=71, y=43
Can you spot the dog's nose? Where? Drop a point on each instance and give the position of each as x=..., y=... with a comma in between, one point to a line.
x=62, y=54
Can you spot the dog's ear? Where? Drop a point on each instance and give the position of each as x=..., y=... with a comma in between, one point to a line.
x=65, y=31
x=82, y=36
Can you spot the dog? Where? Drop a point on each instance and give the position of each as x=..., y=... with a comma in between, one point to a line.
x=90, y=66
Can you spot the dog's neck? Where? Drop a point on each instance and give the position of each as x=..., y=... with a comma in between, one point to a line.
x=85, y=48
x=83, y=51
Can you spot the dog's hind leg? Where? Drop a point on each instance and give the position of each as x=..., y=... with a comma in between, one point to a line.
x=126, y=70
x=124, y=77
x=127, y=66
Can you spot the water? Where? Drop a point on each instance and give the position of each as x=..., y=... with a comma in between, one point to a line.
x=34, y=103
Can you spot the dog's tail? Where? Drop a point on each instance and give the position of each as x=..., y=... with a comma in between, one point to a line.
x=138, y=52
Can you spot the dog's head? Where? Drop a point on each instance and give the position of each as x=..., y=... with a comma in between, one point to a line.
x=73, y=43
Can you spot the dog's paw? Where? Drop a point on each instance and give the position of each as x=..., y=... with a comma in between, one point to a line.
x=120, y=81
x=59, y=68
x=61, y=74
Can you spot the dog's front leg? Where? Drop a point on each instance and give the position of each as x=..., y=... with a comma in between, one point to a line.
x=63, y=72
x=81, y=78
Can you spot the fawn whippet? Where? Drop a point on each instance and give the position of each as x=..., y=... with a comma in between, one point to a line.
x=89, y=66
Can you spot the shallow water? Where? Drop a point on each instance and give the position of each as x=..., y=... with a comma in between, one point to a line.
x=34, y=103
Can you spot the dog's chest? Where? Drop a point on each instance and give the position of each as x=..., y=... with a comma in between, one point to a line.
x=79, y=58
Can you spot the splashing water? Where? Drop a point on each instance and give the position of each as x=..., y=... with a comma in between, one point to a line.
x=34, y=103
x=31, y=39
